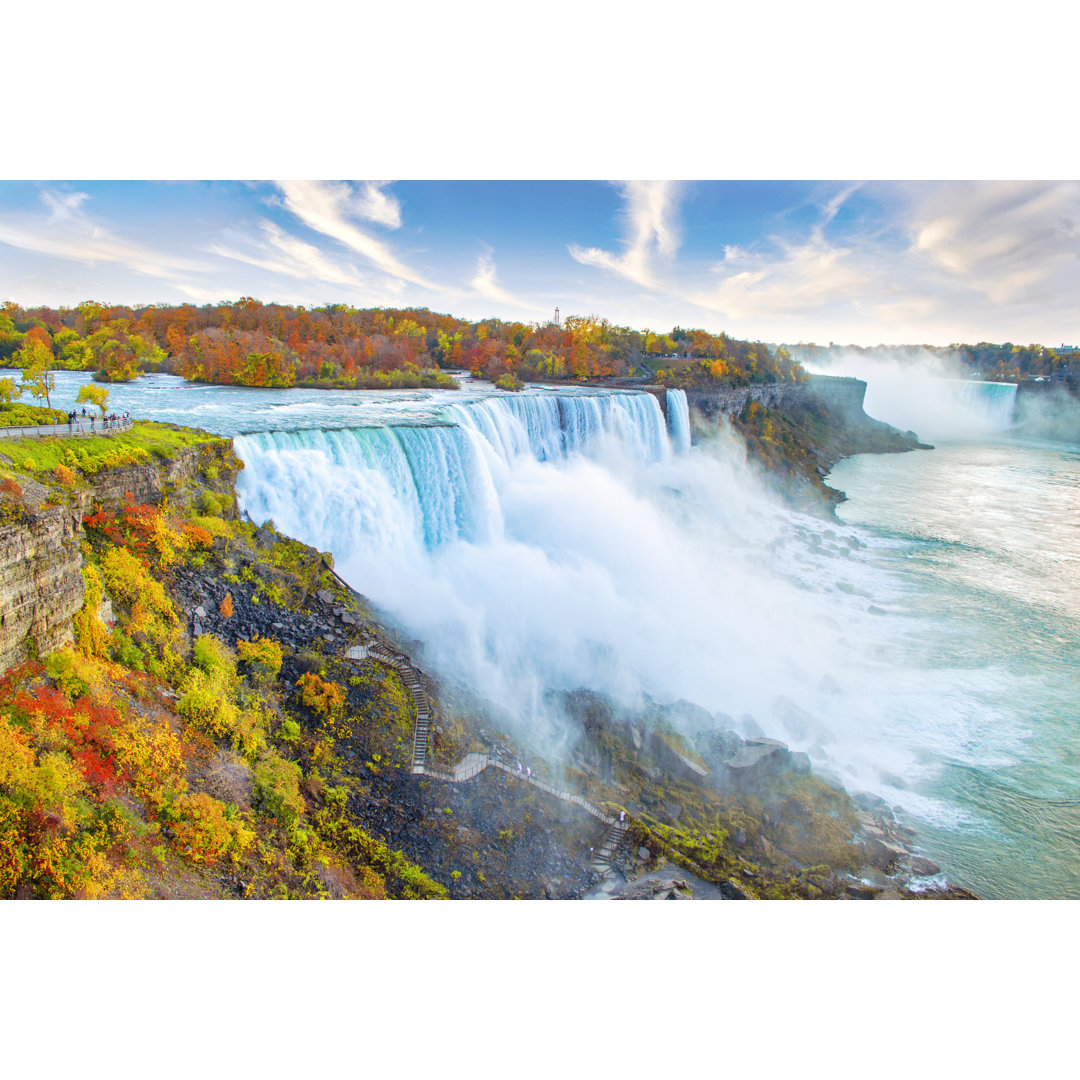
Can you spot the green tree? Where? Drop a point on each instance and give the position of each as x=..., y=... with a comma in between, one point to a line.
x=9, y=390
x=95, y=394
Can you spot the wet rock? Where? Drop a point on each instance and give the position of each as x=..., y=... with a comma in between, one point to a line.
x=862, y=891
x=730, y=891
x=657, y=889
x=643, y=854
x=200, y=612
x=325, y=595
x=923, y=867
x=882, y=854
x=740, y=837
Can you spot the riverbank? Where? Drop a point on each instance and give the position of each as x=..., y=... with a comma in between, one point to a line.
x=291, y=771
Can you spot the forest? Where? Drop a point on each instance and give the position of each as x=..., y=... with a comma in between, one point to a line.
x=248, y=343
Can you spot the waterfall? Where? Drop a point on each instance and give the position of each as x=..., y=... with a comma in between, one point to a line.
x=678, y=412
x=426, y=486
x=535, y=541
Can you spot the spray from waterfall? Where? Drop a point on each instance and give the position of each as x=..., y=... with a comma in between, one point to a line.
x=539, y=542
x=916, y=390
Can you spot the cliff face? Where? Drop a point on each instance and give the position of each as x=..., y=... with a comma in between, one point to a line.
x=41, y=584
x=842, y=396
x=796, y=432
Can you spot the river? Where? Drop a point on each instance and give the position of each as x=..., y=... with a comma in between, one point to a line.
x=921, y=648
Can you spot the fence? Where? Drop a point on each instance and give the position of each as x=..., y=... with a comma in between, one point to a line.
x=82, y=427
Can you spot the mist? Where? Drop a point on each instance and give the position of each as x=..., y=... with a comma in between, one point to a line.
x=916, y=390
x=618, y=565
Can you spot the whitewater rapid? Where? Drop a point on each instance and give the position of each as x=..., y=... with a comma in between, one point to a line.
x=543, y=542
x=923, y=650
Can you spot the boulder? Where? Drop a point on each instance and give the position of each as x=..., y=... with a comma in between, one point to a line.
x=882, y=854
x=325, y=595
x=864, y=892
x=923, y=867
x=730, y=891
x=756, y=763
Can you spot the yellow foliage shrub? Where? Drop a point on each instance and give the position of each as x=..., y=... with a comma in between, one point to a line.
x=91, y=634
x=127, y=578
x=263, y=656
x=64, y=475
x=205, y=831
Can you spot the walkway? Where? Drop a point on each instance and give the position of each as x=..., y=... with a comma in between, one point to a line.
x=472, y=765
x=84, y=426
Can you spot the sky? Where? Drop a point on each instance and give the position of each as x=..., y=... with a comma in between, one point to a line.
x=774, y=260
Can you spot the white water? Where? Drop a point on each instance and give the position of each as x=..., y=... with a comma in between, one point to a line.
x=678, y=411
x=921, y=392
x=541, y=543
x=925, y=650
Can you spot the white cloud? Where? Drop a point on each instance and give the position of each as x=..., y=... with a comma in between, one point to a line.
x=326, y=207
x=797, y=277
x=373, y=204
x=649, y=231
x=63, y=204
x=1008, y=240
x=281, y=253
x=485, y=283
x=69, y=233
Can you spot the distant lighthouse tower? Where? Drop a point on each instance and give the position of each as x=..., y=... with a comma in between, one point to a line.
x=557, y=323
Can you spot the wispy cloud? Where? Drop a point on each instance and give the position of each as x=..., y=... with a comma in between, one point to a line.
x=485, y=283
x=374, y=204
x=1004, y=239
x=281, y=253
x=789, y=277
x=328, y=208
x=67, y=232
x=649, y=231
x=788, y=274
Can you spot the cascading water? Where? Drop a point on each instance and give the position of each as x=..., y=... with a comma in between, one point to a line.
x=923, y=651
x=678, y=411
x=544, y=541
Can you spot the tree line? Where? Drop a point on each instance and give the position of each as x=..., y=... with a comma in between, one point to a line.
x=985, y=360
x=249, y=343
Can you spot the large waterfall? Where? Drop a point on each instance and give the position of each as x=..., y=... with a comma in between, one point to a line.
x=545, y=540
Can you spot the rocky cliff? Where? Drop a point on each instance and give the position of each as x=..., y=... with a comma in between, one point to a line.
x=796, y=432
x=41, y=584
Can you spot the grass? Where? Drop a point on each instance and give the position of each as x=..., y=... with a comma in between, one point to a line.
x=158, y=440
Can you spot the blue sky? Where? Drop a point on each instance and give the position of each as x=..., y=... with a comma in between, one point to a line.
x=897, y=262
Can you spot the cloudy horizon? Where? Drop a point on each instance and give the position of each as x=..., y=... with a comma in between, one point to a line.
x=900, y=262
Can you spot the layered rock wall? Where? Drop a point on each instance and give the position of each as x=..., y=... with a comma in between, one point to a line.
x=41, y=584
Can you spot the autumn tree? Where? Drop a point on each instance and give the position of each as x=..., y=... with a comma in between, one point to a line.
x=35, y=357
x=95, y=394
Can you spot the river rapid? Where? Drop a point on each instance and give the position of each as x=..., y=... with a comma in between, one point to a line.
x=921, y=648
